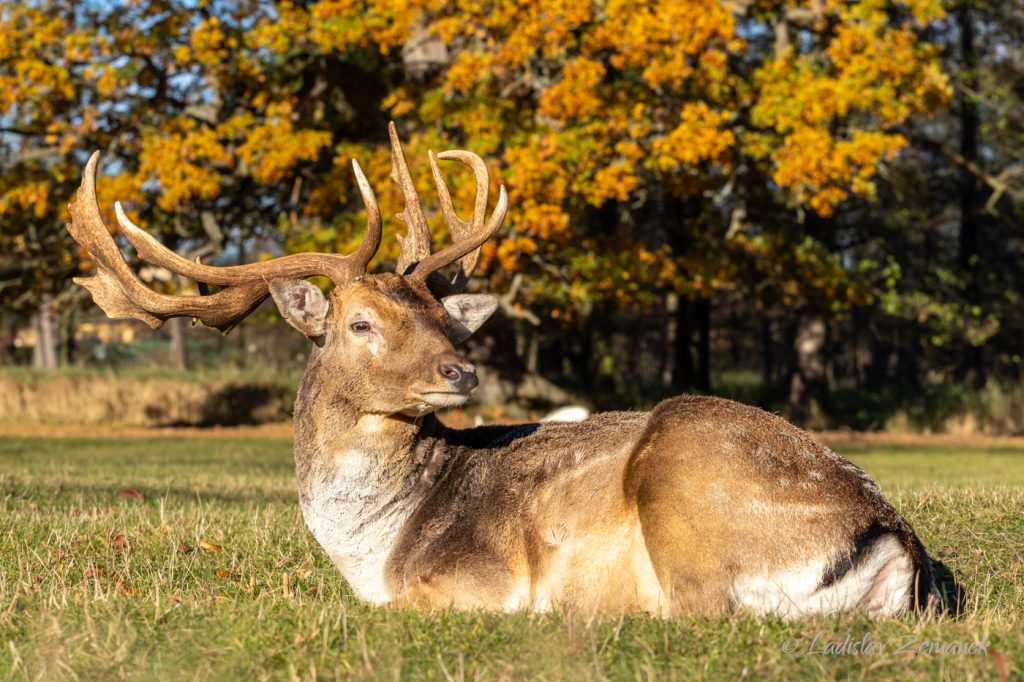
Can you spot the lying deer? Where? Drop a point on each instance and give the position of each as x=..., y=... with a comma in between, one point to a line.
x=701, y=506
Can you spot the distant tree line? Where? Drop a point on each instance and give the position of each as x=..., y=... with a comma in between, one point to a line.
x=822, y=197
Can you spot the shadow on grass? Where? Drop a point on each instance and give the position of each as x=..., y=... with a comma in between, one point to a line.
x=954, y=597
x=236, y=404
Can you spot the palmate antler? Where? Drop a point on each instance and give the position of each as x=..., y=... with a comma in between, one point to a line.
x=118, y=291
x=468, y=236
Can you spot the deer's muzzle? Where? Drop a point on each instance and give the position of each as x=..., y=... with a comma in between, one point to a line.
x=461, y=377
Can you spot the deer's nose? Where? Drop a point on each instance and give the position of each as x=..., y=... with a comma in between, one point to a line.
x=462, y=377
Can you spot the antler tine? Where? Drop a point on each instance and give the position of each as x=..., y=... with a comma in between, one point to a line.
x=463, y=247
x=117, y=290
x=462, y=229
x=361, y=257
x=416, y=244
x=337, y=267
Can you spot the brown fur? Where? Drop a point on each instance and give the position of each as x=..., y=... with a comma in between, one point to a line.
x=666, y=511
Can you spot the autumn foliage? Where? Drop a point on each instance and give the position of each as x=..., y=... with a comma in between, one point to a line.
x=598, y=117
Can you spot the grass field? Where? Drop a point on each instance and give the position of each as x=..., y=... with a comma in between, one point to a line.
x=186, y=557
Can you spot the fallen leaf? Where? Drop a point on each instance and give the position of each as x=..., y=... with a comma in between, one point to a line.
x=209, y=546
x=130, y=494
x=221, y=573
x=120, y=542
x=94, y=572
x=185, y=548
x=1000, y=660
x=125, y=590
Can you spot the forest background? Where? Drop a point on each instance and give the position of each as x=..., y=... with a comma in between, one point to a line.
x=812, y=206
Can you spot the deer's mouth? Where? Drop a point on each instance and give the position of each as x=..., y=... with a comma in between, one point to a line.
x=444, y=398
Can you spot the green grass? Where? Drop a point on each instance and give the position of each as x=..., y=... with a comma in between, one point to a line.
x=77, y=601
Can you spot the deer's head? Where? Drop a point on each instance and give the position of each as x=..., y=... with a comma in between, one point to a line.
x=385, y=341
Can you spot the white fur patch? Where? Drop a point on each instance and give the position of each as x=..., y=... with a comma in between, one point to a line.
x=357, y=518
x=880, y=584
x=519, y=598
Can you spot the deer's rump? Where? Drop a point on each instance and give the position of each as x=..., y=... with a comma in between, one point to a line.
x=771, y=520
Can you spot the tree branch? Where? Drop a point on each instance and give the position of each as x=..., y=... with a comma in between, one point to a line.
x=999, y=184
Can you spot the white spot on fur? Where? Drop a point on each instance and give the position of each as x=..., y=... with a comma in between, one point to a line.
x=880, y=584
x=518, y=598
x=890, y=590
x=370, y=423
x=353, y=465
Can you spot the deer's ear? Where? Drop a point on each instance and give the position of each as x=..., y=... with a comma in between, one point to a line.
x=468, y=312
x=303, y=305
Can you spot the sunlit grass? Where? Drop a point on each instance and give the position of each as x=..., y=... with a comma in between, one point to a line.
x=97, y=584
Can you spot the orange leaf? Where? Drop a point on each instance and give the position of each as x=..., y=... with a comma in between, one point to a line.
x=221, y=573
x=94, y=572
x=125, y=590
x=209, y=546
x=130, y=494
x=120, y=542
x=1000, y=660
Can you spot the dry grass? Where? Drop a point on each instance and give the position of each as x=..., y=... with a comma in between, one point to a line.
x=94, y=398
x=97, y=584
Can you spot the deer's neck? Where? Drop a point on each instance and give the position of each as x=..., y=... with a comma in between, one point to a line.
x=360, y=478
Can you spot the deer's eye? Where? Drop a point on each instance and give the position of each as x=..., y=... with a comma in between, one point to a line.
x=360, y=327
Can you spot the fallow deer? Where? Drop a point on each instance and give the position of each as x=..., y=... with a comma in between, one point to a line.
x=700, y=506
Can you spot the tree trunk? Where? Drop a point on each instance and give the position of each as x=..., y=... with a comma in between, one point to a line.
x=532, y=352
x=972, y=369
x=682, y=364
x=586, y=367
x=7, y=332
x=44, y=355
x=70, y=345
x=767, y=354
x=702, y=311
x=179, y=351
x=808, y=389
x=671, y=337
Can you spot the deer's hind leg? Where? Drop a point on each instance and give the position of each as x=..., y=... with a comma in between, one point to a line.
x=707, y=516
x=687, y=548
